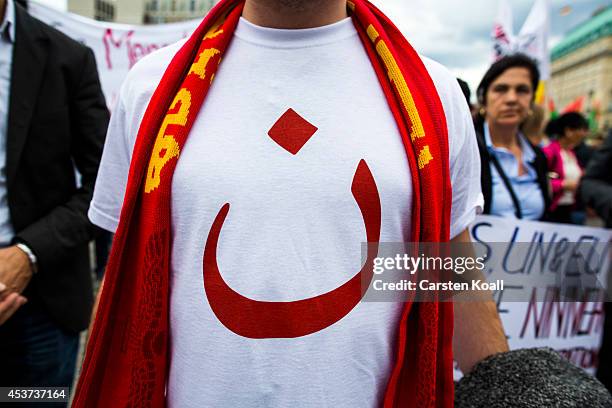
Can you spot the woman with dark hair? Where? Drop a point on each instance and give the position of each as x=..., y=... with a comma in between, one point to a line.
x=565, y=170
x=514, y=171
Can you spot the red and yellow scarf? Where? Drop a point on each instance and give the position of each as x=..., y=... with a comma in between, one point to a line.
x=127, y=358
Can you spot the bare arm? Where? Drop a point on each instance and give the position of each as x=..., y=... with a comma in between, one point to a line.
x=478, y=329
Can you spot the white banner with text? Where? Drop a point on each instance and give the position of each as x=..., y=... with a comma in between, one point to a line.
x=117, y=47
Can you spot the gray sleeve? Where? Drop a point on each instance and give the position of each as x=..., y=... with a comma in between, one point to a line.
x=596, y=185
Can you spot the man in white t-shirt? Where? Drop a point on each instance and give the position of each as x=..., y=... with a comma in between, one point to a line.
x=292, y=67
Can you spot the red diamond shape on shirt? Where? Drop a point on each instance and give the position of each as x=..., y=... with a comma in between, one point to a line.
x=291, y=131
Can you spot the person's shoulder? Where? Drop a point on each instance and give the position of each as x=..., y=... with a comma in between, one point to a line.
x=445, y=82
x=552, y=147
x=156, y=62
x=456, y=108
x=459, y=123
x=56, y=38
x=437, y=71
x=143, y=78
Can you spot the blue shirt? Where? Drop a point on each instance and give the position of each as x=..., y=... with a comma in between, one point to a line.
x=525, y=186
x=7, y=40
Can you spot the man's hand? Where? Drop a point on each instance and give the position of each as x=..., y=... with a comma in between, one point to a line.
x=9, y=303
x=15, y=269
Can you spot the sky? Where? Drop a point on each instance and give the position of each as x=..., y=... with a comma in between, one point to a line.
x=457, y=33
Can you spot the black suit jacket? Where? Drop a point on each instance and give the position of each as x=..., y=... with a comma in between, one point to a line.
x=57, y=120
x=540, y=164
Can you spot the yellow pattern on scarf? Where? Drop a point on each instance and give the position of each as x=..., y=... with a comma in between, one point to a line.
x=396, y=77
x=166, y=147
x=199, y=67
x=424, y=156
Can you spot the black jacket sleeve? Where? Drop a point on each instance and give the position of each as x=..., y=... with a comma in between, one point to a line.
x=596, y=185
x=66, y=227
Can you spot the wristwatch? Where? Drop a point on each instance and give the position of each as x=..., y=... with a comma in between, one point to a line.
x=30, y=254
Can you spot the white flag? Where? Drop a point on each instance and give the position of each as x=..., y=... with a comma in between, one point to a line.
x=531, y=40
x=503, y=33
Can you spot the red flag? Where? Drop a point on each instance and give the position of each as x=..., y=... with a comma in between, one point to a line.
x=575, y=105
x=552, y=108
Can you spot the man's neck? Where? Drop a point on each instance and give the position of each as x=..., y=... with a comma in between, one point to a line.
x=294, y=14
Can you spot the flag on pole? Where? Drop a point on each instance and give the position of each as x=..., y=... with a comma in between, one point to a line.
x=575, y=105
x=533, y=37
x=554, y=114
x=503, y=32
x=531, y=40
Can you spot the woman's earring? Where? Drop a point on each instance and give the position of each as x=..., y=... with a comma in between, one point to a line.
x=482, y=111
x=530, y=113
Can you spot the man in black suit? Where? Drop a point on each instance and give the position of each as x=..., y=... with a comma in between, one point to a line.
x=53, y=118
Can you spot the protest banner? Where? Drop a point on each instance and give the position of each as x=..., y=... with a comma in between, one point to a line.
x=523, y=251
x=117, y=47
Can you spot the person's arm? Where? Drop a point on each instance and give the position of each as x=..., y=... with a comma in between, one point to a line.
x=478, y=331
x=65, y=227
x=556, y=183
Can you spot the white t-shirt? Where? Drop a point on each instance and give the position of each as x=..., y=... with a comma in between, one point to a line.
x=294, y=229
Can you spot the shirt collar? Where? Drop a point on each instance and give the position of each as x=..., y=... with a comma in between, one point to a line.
x=7, y=26
x=528, y=153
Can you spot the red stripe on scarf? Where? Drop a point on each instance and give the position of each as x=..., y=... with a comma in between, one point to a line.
x=127, y=356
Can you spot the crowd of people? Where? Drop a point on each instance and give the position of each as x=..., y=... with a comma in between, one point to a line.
x=54, y=120
x=532, y=168
x=535, y=169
